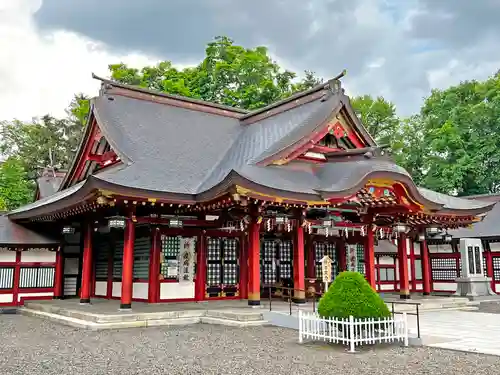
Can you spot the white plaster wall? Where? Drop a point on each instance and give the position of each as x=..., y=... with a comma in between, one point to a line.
x=6, y=298
x=21, y=295
x=416, y=247
x=101, y=288
x=44, y=256
x=140, y=290
x=117, y=289
x=7, y=256
x=495, y=246
x=177, y=290
x=445, y=287
x=386, y=287
x=385, y=260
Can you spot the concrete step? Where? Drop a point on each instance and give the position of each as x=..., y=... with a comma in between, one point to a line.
x=86, y=320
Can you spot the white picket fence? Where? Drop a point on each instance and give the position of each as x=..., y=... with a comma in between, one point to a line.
x=353, y=332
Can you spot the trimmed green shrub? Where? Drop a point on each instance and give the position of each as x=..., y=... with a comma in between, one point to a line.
x=350, y=294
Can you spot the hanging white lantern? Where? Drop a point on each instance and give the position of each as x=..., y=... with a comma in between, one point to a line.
x=400, y=228
x=309, y=228
x=268, y=225
x=346, y=232
x=381, y=233
x=433, y=230
x=363, y=231
x=288, y=226
x=242, y=225
x=448, y=237
x=327, y=232
x=116, y=222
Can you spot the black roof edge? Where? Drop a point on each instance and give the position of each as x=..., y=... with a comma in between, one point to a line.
x=328, y=85
x=170, y=96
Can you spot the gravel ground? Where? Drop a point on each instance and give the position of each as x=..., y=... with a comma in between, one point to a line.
x=489, y=307
x=33, y=346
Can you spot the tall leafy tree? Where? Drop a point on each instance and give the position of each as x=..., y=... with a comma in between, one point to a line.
x=15, y=187
x=42, y=142
x=379, y=117
x=461, y=130
x=229, y=74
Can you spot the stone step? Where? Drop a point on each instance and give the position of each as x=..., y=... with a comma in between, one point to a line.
x=149, y=320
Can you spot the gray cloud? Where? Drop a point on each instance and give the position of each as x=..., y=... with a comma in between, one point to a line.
x=389, y=47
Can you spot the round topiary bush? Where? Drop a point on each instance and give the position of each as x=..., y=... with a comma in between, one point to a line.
x=350, y=294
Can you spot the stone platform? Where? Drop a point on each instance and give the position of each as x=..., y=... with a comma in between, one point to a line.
x=104, y=314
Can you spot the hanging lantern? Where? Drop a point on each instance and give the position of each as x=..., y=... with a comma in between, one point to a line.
x=309, y=228
x=175, y=223
x=381, y=234
x=448, y=237
x=400, y=228
x=280, y=219
x=288, y=226
x=433, y=230
x=346, y=232
x=116, y=222
x=242, y=225
x=68, y=229
x=363, y=231
x=327, y=233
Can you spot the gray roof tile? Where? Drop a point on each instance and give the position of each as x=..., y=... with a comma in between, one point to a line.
x=12, y=234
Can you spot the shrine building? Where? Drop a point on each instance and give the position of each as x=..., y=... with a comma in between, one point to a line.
x=175, y=199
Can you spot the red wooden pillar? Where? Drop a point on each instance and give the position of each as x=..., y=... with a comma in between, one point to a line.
x=201, y=268
x=426, y=267
x=370, y=257
x=311, y=258
x=154, y=266
x=17, y=278
x=59, y=275
x=404, y=283
x=87, y=264
x=244, y=267
x=128, y=264
x=342, y=254
x=412, y=267
x=254, y=263
x=299, y=281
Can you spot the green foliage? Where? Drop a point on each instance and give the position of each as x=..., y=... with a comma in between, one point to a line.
x=43, y=142
x=229, y=74
x=15, y=188
x=350, y=294
x=378, y=116
x=461, y=133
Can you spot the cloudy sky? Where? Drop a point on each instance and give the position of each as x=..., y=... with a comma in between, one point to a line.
x=396, y=48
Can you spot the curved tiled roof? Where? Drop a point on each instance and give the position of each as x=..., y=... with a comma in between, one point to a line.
x=181, y=150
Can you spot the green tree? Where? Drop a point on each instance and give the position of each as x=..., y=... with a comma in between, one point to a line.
x=15, y=187
x=229, y=74
x=378, y=116
x=43, y=142
x=461, y=133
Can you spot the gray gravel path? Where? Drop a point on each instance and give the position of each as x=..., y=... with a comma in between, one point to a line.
x=33, y=346
x=489, y=307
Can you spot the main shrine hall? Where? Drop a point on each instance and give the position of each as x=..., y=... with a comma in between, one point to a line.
x=173, y=199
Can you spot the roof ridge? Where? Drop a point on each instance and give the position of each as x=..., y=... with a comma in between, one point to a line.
x=169, y=96
x=333, y=85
